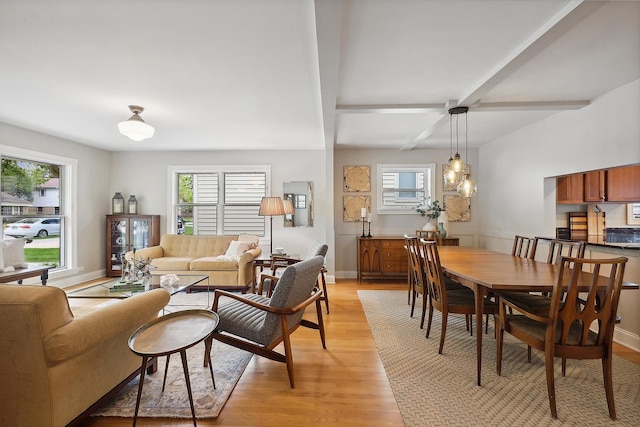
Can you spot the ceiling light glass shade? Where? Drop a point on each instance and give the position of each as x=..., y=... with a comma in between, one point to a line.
x=270, y=206
x=450, y=176
x=456, y=164
x=135, y=128
x=467, y=188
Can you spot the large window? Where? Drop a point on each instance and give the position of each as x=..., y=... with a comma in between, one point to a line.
x=403, y=187
x=32, y=206
x=219, y=199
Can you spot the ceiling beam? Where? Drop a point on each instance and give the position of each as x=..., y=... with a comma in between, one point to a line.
x=547, y=34
x=530, y=106
x=389, y=108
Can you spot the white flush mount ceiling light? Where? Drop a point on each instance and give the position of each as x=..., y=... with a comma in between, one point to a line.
x=135, y=128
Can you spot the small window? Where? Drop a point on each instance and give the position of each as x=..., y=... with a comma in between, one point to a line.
x=403, y=187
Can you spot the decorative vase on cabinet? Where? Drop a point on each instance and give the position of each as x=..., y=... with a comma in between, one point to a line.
x=443, y=232
x=428, y=227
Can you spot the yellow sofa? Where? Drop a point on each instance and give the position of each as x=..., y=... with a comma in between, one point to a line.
x=54, y=366
x=186, y=254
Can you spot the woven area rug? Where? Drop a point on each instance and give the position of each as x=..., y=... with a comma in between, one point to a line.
x=228, y=365
x=441, y=390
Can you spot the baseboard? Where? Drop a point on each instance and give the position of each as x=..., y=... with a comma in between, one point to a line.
x=627, y=339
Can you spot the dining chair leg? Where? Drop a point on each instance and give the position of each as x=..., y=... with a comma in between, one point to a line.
x=499, y=338
x=413, y=302
x=551, y=391
x=564, y=367
x=443, y=331
x=424, y=309
x=529, y=353
x=608, y=384
x=429, y=320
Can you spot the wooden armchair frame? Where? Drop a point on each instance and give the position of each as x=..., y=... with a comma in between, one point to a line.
x=284, y=313
x=565, y=330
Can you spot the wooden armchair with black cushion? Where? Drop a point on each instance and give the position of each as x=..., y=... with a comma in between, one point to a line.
x=564, y=331
x=269, y=278
x=257, y=323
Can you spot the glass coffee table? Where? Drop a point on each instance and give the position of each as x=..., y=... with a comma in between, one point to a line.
x=107, y=290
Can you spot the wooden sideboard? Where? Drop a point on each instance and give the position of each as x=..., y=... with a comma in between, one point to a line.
x=384, y=257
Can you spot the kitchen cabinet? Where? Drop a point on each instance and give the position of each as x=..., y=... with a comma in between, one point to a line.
x=623, y=184
x=570, y=189
x=385, y=257
x=126, y=233
x=595, y=189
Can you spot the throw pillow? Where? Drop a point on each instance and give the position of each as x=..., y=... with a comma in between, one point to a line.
x=237, y=248
x=13, y=253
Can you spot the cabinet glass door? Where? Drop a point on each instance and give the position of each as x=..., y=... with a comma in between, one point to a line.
x=118, y=242
x=139, y=233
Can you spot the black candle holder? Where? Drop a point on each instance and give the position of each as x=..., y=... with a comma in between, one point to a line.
x=369, y=235
x=363, y=235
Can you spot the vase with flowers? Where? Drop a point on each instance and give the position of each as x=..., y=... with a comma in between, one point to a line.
x=431, y=210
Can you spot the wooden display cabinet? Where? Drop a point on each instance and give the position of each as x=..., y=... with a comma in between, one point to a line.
x=126, y=233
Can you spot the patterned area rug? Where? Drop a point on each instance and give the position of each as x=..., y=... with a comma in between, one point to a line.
x=440, y=390
x=228, y=365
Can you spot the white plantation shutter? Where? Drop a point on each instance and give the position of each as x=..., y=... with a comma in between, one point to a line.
x=224, y=201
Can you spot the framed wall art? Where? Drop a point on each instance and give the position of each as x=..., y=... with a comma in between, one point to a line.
x=352, y=206
x=458, y=208
x=356, y=178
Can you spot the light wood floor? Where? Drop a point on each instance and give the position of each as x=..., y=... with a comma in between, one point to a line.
x=343, y=385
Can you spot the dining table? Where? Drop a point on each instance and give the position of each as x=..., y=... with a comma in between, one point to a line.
x=485, y=271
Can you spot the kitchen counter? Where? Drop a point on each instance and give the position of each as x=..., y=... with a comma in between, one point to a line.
x=605, y=241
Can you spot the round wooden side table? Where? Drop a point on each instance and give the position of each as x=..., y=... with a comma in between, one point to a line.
x=169, y=334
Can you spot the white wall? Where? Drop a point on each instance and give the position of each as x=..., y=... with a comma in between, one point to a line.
x=93, y=197
x=145, y=174
x=516, y=187
x=346, y=233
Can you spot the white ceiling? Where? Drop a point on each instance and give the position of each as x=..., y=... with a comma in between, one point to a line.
x=299, y=74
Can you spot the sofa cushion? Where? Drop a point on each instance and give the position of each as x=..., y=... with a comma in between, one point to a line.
x=218, y=263
x=237, y=248
x=172, y=263
x=177, y=245
x=217, y=245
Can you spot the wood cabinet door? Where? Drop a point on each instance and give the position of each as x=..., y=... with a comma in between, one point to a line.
x=394, y=257
x=368, y=257
x=595, y=186
x=570, y=189
x=623, y=184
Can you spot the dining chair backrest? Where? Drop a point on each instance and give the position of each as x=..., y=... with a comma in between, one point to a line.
x=430, y=235
x=524, y=247
x=413, y=252
x=583, y=304
x=433, y=272
x=567, y=248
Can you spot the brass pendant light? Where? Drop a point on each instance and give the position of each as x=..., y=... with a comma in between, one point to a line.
x=466, y=187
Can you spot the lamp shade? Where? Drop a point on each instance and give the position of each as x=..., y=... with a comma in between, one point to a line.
x=288, y=207
x=271, y=206
x=135, y=128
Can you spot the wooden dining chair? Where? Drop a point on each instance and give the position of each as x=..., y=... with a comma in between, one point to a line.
x=564, y=331
x=524, y=247
x=458, y=301
x=567, y=248
x=416, y=276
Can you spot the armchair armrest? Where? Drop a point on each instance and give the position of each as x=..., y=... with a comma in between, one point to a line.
x=503, y=303
x=102, y=324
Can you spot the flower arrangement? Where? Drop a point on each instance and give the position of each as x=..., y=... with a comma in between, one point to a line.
x=429, y=209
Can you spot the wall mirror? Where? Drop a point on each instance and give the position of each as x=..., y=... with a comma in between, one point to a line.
x=298, y=196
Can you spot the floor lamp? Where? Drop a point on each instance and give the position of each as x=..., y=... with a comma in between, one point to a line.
x=271, y=206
